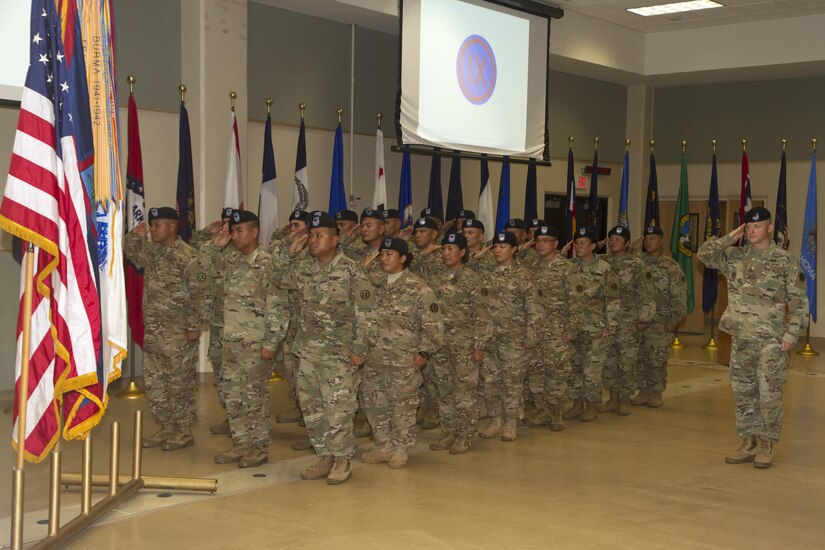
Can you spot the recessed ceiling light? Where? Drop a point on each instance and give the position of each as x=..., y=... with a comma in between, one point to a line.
x=676, y=7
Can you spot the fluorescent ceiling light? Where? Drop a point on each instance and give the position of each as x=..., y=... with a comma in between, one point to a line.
x=677, y=7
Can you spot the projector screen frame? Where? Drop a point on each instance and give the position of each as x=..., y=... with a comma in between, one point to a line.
x=531, y=7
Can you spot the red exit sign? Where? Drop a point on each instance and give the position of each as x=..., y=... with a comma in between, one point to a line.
x=581, y=183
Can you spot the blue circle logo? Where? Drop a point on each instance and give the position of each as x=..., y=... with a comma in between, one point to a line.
x=476, y=69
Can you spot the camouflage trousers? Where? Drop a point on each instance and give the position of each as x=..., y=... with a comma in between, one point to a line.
x=390, y=402
x=654, y=348
x=456, y=379
x=327, y=393
x=169, y=376
x=758, y=370
x=548, y=372
x=215, y=355
x=586, y=376
x=428, y=391
x=288, y=370
x=246, y=386
x=619, y=372
x=503, y=371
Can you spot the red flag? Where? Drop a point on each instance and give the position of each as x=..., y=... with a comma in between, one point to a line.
x=745, y=192
x=135, y=214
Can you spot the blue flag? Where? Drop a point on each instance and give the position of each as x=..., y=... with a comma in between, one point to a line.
x=455, y=200
x=780, y=224
x=807, y=259
x=652, y=198
x=405, y=193
x=624, y=219
x=593, y=203
x=713, y=228
x=268, y=200
x=570, y=208
x=186, y=179
x=337, y=194
x=434, y=199
x=503, y=206
x=531, y=192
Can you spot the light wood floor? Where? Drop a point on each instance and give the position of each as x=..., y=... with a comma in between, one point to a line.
x=656, y=479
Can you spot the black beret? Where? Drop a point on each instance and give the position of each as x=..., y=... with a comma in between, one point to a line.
x=505, y=238
x=587, y=233
x=425, y=223
x=621, y=231
x=758, y=214
x=653, y=230
x=163, y=213
x=395, y=243
x=516, y=223
x=227, y=212
x=431, y=212
x=299, y=215
x=548, y=231
x=346, y=216
x=372, y=213
x=454, y=238
x=242, y=216
x=466, y=214
x=392, y=214
x=474, y=223
x=322, y=219
x=536, y=222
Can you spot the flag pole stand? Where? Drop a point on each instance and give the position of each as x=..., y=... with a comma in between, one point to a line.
x=132, y=391
x=677, y=344
x=711, y=345
x=808, y=351
x=273, y=377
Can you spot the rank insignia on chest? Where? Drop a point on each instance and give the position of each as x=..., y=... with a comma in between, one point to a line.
x=579, y=288
x=485, y=291
x=201, y=276
x=365, y=294
x=434, y=308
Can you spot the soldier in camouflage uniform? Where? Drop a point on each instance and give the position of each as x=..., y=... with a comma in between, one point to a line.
x=462, y=294
x=435, y=216
x=670, y=295
x=461, y=219
x=409, y=331
x=176, y=308
x=517, y=320
x=481, y=260
x=763, y=280
x=348, y=229
x=636, y=310
x=549, y=367
x=392, y=223
x=249, y=343
x=594, y=292
x=336, y=306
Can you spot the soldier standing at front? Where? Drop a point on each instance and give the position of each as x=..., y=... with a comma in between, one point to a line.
x=670, y=295
x=335, y=311
x=763, y=280
x=408, y=332
x=176, y=309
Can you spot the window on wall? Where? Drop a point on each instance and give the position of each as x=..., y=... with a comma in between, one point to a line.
x=554, y=212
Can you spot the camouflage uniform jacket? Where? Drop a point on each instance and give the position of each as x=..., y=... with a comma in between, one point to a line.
x=669, y=288
x=528, y=258
x=514, y=307
x=213, y=265
x=175, y=292
x=553, y=290
x=463, y=296
x=408, y=320
x=483, y=265
x=335, y=306
x=636, y=301
x=427, y=267
x=760, y=284
x=595, y=296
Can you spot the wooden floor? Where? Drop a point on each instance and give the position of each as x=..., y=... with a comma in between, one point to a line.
x=656, y=479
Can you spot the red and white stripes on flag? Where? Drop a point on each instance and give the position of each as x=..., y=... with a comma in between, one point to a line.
x=233, y=192
x=379, y=195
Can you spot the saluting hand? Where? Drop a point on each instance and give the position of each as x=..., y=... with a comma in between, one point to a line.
x=140, y=229
x=370, y=259
x=221, y=238
x=267, y=355
x=637, y=243
x=429, y=249
x=477, y=355
x=352, y=233
x=215, y=226
x=737, y=233
x=356, y=360
x=566, y=248
x=298, y=243
x=419, y=362
x=524, y=246
x=406, y=233
x=481, y=253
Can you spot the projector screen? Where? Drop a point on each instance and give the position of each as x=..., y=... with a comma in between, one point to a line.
x=473, y=77
x=14, y=43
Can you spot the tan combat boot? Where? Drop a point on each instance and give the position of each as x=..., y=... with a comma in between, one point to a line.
x=745, y=453
x=764, y=454
x=510, y=430
x=182, y=439
x=399, y=458
x=443, y=444
x=156, y=440
x=341, y=471
x=556, y=420
x=292, y=415
x=590, y=412
x=319, y=470
x=461, y=445
x=220, y=429
x=640, y=398
x=381, y=453
x=493, y=430
x=576, y=410
x=430, y=419
x=624, y=405
x=234, y=454
x=541, y=418
x=302, y=444
x=655, y=400
x=611, y=405
x=254, y=458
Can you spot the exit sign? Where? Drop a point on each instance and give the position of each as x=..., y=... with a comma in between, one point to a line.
x=581, y=183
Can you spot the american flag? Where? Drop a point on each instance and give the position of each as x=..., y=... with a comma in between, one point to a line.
x=48, y=202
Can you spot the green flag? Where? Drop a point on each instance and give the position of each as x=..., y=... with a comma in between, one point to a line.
x=681, y=245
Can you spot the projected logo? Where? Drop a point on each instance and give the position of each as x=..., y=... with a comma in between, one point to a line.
x=476, y=69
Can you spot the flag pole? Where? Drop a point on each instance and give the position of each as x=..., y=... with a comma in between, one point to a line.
x=677, y=344
x=808, y=351
x=274, y=376
x=22, y=401
x=711, y=345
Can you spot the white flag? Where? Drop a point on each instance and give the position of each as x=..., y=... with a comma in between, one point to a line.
x=379, y=196
x=233, y=195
